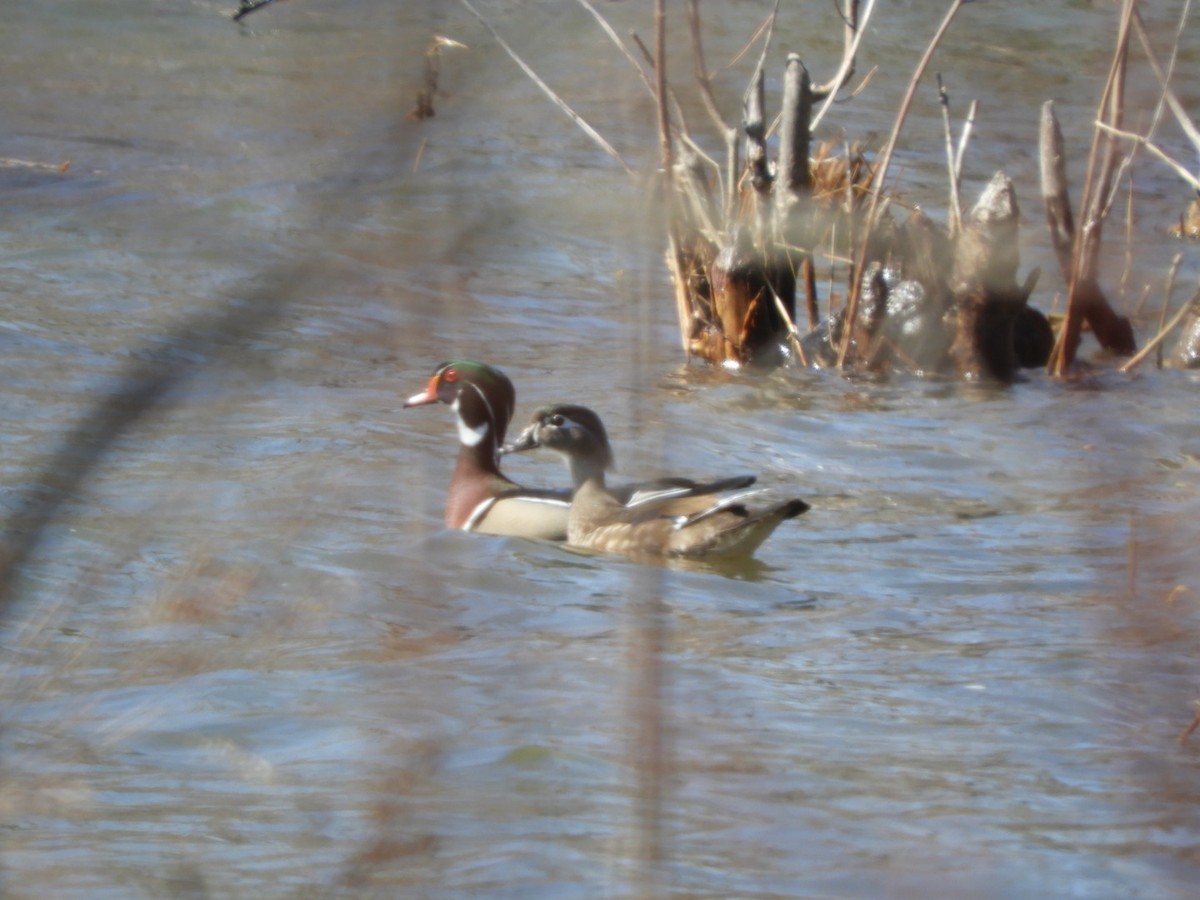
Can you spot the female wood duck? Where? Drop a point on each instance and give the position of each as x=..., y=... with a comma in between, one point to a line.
x=666, y=525
x=481, y=498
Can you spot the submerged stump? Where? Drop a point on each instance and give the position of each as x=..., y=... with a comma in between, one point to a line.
x=749, y=287
x=930, y=304
x=996, y=331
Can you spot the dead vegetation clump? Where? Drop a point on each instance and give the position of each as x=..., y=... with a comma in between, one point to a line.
x=746, y=235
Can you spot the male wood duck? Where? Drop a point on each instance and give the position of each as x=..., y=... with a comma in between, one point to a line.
x=667, y=525
x=481, y=498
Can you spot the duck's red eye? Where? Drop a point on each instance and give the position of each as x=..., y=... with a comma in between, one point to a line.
x=450, y=375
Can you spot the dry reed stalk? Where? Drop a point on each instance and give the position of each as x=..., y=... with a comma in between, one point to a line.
x=880, y=176
x=1101, y=170
x=1127, y=270
x=728, y=133
x=1141, y=303
x=856, y=21
x=700, y=68
x=1168, y=290
x=558, y=101
x=665, y=150
x=955, y=203
x=621, y=45
x=1164, y=77
x=1166, y=99
x=1157, y=340
x=851, y=35
x=762, y=29
x=1154, y=149
x=792, y=333
x=964, y=139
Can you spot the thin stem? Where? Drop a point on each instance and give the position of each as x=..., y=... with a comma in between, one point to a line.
x=964, y=139
x=1154, y=151
x=955, y=207
x=587, y=129
x=851, y=53
x=1096, y=185
x=852, y=34
x=1137, y=358
x=701, y=68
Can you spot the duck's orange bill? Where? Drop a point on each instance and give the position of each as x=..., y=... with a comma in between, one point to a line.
x=429, y=395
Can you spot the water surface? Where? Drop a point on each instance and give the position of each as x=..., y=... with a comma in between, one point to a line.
x=243, y=656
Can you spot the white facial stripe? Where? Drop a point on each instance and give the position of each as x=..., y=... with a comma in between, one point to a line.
x=471, y=437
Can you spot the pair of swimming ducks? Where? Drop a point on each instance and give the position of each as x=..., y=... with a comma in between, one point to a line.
x=666, y=517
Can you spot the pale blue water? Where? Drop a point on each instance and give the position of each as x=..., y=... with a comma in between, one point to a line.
x=245, y=659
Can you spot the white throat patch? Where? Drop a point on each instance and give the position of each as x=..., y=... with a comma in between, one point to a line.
x=471, y=437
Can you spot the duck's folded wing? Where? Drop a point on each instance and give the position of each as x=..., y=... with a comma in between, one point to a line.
x=660, y=489
x=684, y=510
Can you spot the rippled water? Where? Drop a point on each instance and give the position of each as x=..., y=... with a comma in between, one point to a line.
x=243, y=658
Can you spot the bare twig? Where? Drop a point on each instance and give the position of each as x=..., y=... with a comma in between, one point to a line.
x=1141, y=303
x=793, y=334
x=666, y=158
x=765, y=27
x=1154, y=151
x=1095, y=204
x=1166, y=98
x=850, y=39
x=1164, y=78
x=955, y=205
x=964, y=139
x=1138, y=357
x=1127, y=270
x=858, y=29
x=1168, y=290
x=587, y=129
x=621, y=45
x=701, y=68
x=1097, y=184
